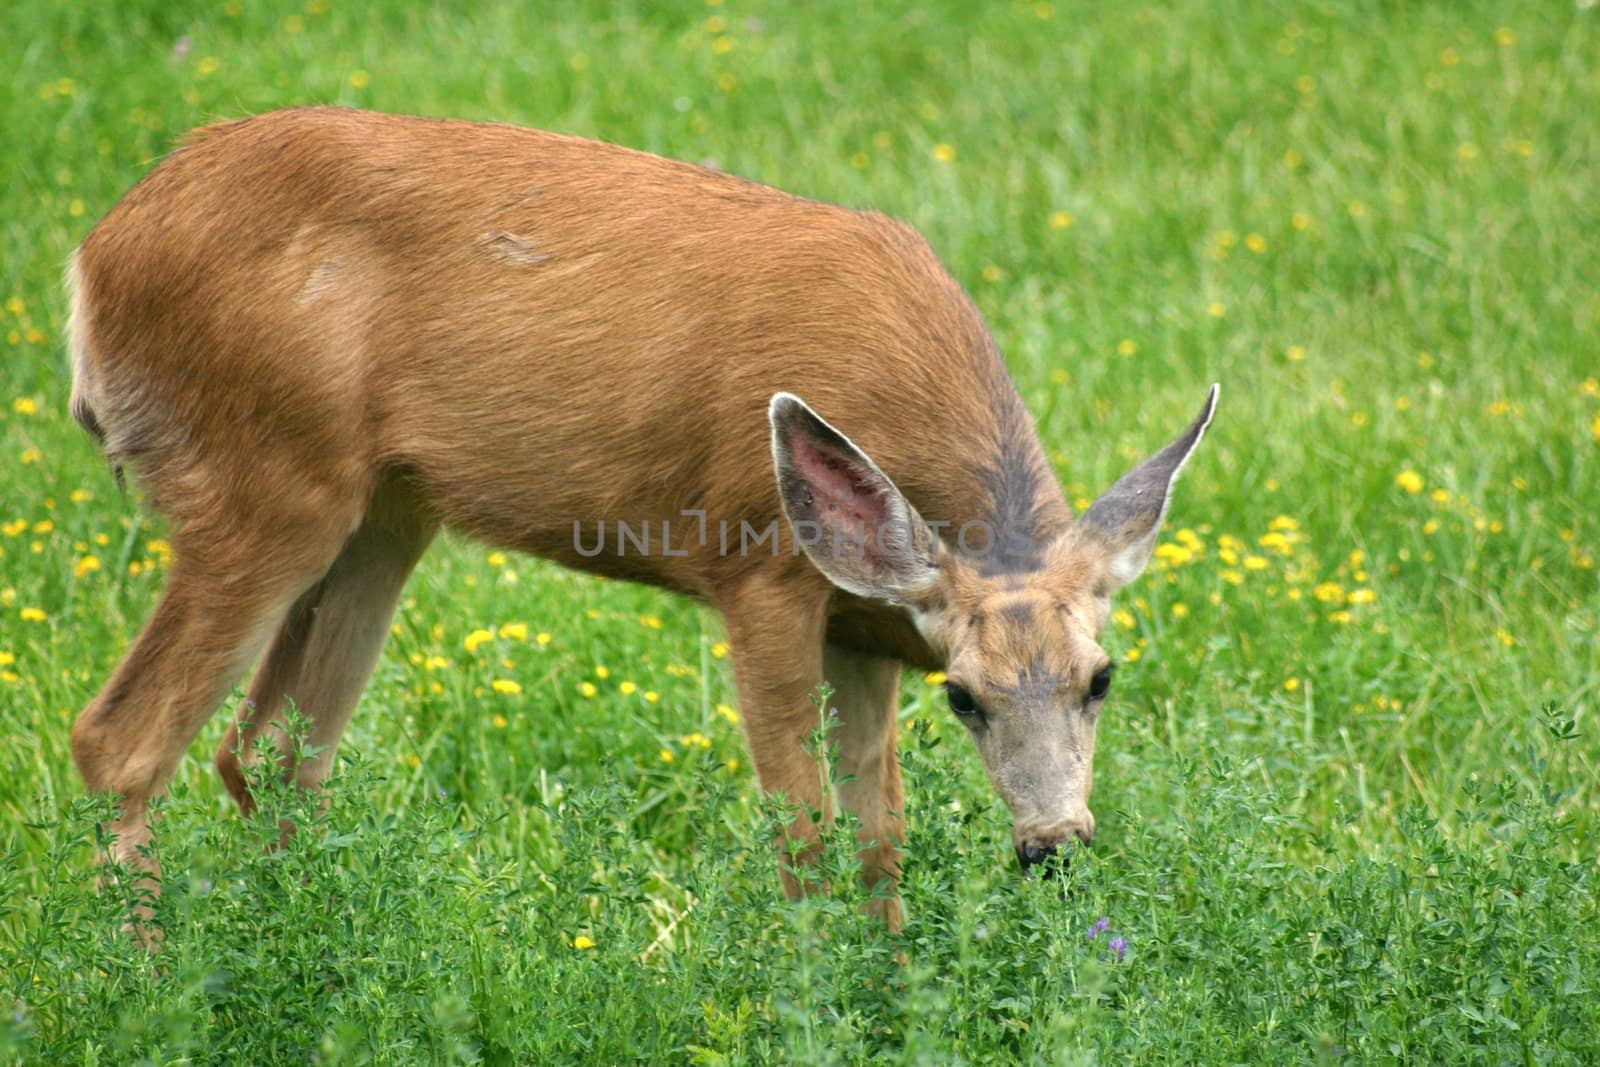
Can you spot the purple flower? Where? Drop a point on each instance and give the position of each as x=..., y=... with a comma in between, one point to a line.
x=1098, y=928
x=1119, y=945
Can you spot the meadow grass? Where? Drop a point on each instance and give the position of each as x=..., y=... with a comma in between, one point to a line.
x=1346, y=787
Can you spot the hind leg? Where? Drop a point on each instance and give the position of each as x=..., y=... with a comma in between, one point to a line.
x=232, y=580
x=328, y=644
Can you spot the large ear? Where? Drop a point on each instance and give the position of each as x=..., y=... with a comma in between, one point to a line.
x=846, y=513
x=1127, y=517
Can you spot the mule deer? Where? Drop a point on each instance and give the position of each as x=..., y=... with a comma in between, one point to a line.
x=317, y=335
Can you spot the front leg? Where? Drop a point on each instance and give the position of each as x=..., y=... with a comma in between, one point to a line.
x=775, y=631
x=866, y=690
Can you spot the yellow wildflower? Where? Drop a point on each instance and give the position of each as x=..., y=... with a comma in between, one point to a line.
x=650, y=621
x=602, y=673
x=1339, y=617
x=943, y=153
x=359, y=79
x=1127, y=347
x=587, y=689
x=86, y=565
x=1328, y=592
x=32, y=615
x=1255, y=563
x=695, y=740
x=516, y=631
x=1255, y=243
x=581, y=943
x=934, y=677
x=651, y=696
x=667, y=756
x=476, y=639
x=1123, y=618
x=7, y=659
x=1173, y=555
x=1291, y=684
x=1409, y=480
x=719, y=650
x=1505, y=638
x=506, y=686
x=542, y=638
x=1060, y=220
x=24, y=405
x=1283, y=524
x=728, y=713
x=499, y=722
x=628, y=689
x=1361, y=596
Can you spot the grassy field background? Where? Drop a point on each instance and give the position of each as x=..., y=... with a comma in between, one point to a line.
x=1346, y=789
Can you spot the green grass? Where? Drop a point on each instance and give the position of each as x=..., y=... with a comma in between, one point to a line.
x=1347, y=789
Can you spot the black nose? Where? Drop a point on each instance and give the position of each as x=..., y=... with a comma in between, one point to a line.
x=1031, y=855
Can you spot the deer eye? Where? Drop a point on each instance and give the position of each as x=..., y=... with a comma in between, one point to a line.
x=1100, y=684
x=961, y=701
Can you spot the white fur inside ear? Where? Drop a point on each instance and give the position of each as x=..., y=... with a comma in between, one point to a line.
x=1128, y=562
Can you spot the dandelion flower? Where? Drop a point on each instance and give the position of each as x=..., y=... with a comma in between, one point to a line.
x=1409, y=480
x=943, y=153
x=581, y=943
x=628, y=689
x=728, y=713
x=587, y=689
x=506, y=686
x=32, y=615
x=516, y=631
x=476, y=639
x=1060, y=220
x=934, y=677
x=718, y=651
